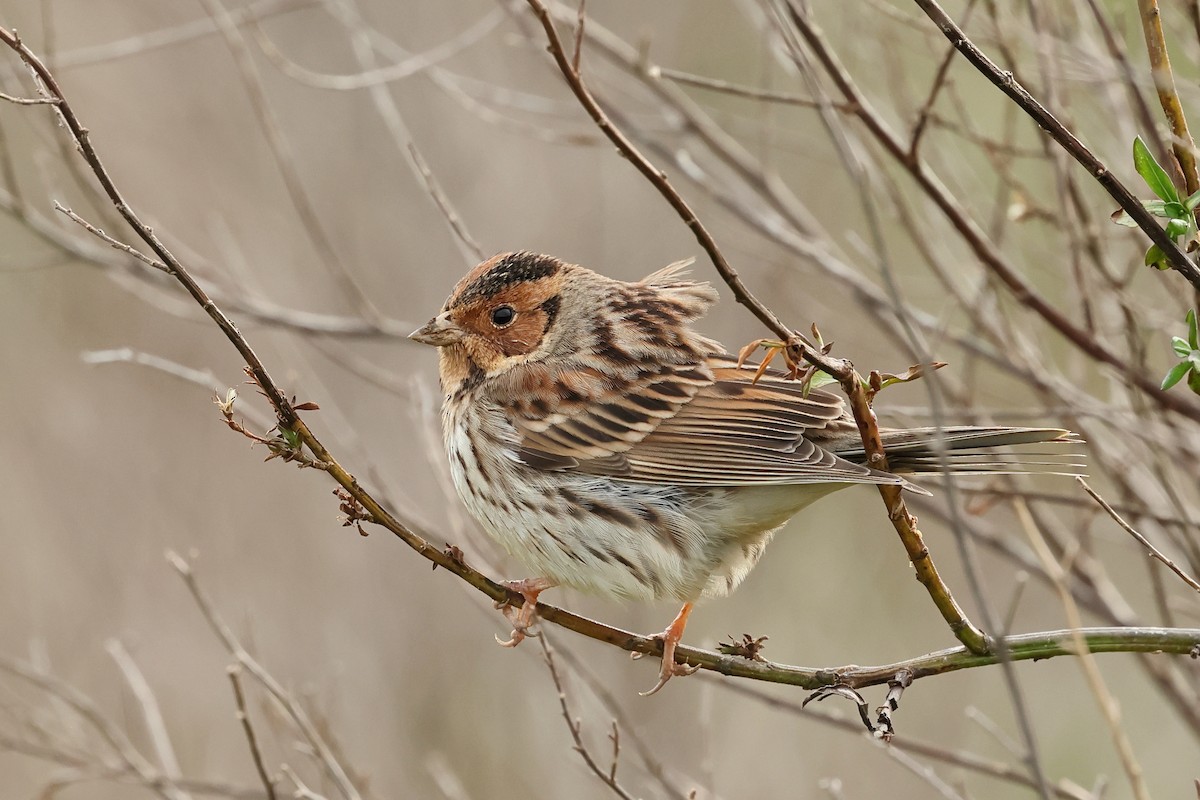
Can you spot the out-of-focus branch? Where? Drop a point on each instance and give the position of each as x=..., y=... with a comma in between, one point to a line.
x=130, y=758
x=607, y=777
x=329, y=762
x=962, y=759
x=82, y=138
x=151, y=714
x=243, y=715
x=1022, y=289
x=376, y=75
x=389, y=113
x=285, y=161
x=1065, y=138
x=244, y=304
x=1108, y=704
x=1164, y=84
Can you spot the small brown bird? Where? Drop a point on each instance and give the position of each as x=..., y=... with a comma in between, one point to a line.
x=611, y=448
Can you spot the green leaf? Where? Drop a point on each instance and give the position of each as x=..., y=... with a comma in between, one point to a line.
x=1193, y=335
x=1175, y=210
x=820, y=379
x=1156, y=258
x=1181, y=347
x=291, y=437
x=1192, y=201
x=1177, y=228
x=1154, y=175
x=1157, y=207
x=1176, y=374
x=1194, y=381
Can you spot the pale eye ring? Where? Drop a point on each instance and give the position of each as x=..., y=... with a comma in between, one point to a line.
x=503, y=316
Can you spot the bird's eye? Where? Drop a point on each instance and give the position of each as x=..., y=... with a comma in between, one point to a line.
x=503, y=315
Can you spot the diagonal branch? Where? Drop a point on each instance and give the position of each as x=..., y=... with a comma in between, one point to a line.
x=797, y=347
x=989, y=256
x=1006, y=83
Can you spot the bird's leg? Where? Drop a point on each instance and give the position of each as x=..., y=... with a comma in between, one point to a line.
x=671, y=637
x=522, y=618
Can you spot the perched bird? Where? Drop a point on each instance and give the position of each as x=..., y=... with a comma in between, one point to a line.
x=609, y=447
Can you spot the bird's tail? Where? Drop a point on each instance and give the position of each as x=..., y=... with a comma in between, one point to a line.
x=969, y=450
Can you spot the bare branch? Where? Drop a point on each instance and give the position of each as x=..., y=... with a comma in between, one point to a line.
x=151, y=713
x=1065, y=138
x=1154, y=551
x=333, y=769
x=243, y=716
x=607, y=777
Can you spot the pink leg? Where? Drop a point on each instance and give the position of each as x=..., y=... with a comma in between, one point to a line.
x=671, y=637
x=523, y=618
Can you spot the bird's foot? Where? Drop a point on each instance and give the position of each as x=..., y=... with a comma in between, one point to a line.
x=670, y=639
x=525, y=617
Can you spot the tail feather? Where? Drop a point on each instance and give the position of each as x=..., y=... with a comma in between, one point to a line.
x=967, y=450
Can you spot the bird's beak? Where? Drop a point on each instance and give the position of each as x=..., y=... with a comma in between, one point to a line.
x=439, y=331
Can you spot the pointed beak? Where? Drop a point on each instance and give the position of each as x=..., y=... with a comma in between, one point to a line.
x=439, y=332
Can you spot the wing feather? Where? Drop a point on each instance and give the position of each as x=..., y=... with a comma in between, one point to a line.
x=694, y=424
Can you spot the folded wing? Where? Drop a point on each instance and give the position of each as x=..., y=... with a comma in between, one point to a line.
x=693, y=425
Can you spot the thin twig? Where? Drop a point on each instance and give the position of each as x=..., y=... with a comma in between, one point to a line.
x=1087, y=663
x=1154, y=551
x=598, y=688
x=580, y=20
x=389, y=112
x=935, y=89
x=333, y=769
x=1065, y=138
x=738, y=90
x=82, y=139
x=116, y=245
x=171, y=36
x=151, y=713
x=28, y=101
x=243, y=717
x=959, y=758
x=925, y=773
x=115, y=739
x=657, y=178
x=1164, y=83
x=303, y=792
x=609, y=777
x=951, y=207
x=378, y=75
x=285, y=161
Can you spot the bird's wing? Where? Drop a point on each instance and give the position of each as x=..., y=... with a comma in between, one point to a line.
x=704, y=424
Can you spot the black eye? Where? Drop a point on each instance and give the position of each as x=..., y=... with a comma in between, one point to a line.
x=503, y=315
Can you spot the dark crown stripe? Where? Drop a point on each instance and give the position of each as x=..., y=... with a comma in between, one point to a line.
x=510, y=269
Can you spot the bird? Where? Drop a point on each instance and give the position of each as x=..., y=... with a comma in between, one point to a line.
x=610, y=447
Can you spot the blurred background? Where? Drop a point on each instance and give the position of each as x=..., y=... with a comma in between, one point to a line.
x=305, y=159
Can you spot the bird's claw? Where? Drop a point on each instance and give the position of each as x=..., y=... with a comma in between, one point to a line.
x=522, y=618
x=521, y=624
x=670, y=670
x=517, y=638
x=670, y=640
